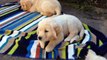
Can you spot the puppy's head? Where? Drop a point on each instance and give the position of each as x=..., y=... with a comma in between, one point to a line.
x=47, y=30
x=44, y=32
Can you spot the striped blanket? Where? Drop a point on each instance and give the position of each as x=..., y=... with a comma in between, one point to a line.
x=18, y=36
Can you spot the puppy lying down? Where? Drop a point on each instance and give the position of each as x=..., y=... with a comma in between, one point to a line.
x=45, y=7
x=55, y=28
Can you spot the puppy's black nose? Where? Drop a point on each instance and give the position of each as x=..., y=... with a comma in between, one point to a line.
x=39, y=37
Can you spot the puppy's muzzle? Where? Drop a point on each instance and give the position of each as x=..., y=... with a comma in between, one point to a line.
x=40, y=38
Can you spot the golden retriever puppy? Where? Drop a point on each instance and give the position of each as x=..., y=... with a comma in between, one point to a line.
x=93, y=56
x=45, y=7
x=55, y=28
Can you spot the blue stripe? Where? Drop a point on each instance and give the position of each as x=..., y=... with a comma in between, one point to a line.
x=2, y=31
x=4, y=27
x=56, y=53
x=90, y=37
x=18, y=23
x=10, y=15
x=32, y=25
x=29, y=48
x=49, y=55
x=41, y=51
x=0, y=6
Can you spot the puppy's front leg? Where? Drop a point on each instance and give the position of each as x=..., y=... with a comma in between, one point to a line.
x=53, y=43
x=50, y=46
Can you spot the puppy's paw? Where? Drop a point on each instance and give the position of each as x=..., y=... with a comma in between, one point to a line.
x=41, y=13
x=32, y=9
x=67, y=39
x=42, y=44
x=48, y=49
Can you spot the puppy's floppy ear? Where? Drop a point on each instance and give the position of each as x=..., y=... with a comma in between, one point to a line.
x=56, y=29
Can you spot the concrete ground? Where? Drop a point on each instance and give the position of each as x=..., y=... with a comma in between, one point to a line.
x=99, y=22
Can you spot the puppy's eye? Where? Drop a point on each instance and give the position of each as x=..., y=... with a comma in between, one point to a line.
x=46, y=31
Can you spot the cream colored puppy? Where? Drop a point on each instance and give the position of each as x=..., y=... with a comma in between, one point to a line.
x=45, y=7
x=55, y=28
x=93, y=56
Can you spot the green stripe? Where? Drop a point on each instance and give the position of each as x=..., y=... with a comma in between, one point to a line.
x=19, y=27
x=100, y=43
x=8, y=32
x=0, y=36
x=8, y=12
x=63, y=50
x=30, y=33
x=63, y=53
x=78, y=52
x=86, y=27
x=3, y=8
x=15, y=46
x=52, y=54
x=88, y=46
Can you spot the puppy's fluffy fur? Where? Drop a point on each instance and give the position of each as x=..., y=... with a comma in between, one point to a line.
x=55, y=28
x=92, y=56
x=45, y=7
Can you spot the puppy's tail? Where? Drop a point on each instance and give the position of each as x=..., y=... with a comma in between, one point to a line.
x=81, y=33
x=58, y=11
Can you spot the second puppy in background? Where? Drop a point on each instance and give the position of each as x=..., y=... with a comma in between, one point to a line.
x=45, y=7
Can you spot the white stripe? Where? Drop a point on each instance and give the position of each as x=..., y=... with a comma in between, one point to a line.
x=33, y=49
x=86, y=37
x=12, y=17
x=71, y=51
x=33, y=23
x=4, y=39
x=15, y=33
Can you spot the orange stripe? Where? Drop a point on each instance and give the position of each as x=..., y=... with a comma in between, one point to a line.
x=38, y=51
